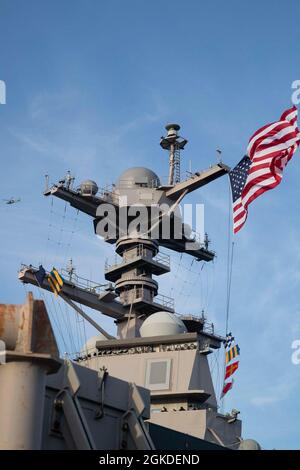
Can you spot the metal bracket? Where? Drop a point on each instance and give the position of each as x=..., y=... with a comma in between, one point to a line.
x=133, y=425
x=103, y=373
x=68, y=419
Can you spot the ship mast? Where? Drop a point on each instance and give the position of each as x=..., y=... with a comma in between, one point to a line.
x=135, y=294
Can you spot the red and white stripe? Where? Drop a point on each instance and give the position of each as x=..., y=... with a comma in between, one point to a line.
x=270, y=149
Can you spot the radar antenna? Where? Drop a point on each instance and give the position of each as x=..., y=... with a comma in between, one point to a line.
x=173, y=143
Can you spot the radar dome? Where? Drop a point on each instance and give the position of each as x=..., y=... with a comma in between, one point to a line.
x=90, y=345
x=88, y=188
x=249, y=444
x=162, y=324
x=138, y=176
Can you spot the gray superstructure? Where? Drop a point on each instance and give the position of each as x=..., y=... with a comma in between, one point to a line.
x=153, y=378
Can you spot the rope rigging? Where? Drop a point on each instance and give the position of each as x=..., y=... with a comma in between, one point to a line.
x=187, y=280
x=230, y=247
x=230, y=253
x=70, y=328
x=176, y=274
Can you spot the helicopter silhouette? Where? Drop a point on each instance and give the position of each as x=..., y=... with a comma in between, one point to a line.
x=12, y=200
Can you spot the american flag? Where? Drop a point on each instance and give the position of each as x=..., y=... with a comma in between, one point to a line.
x=269, y=150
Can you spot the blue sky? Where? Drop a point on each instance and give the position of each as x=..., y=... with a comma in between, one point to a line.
x=90, y=86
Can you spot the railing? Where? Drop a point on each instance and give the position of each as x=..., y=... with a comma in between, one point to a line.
x=78, y=281
x=108, y=193
x=183, y=316
x=195, y=237
x=165, y=301
x=84, y=283
x=161, y=258
x=208, y=327
x=109, y=265
x=144, y=294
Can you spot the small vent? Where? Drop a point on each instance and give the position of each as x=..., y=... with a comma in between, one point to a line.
x=158, y=374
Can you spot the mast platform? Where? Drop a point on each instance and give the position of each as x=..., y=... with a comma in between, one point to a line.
x=96, y=298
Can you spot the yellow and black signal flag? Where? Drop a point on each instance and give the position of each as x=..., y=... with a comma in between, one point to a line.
x=56, y=281
x=232, y=353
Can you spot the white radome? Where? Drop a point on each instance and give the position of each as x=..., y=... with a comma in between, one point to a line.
x=138, y=176
x=90, y=345
x=88, y=188
x=162, y=324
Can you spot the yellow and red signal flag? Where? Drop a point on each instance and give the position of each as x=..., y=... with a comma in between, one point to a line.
x=230, y=369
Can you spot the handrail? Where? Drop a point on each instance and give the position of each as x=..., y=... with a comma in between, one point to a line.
x=164, y=300
x=161, y=258
x=78, y=281
x=84, y=283
x=208, y=327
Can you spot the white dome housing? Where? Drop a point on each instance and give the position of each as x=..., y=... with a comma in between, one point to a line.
x=249, y=444
x=88, y=188
x=138, y=176
x=162, y=324
x=90, y=345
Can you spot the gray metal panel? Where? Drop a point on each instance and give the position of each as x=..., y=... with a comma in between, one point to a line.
x=198, y=180
x=119, y=343
x=168, y=439
x=116, y=390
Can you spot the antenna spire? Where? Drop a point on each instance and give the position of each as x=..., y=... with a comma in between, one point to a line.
x=173, y=143
x=70, y=269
